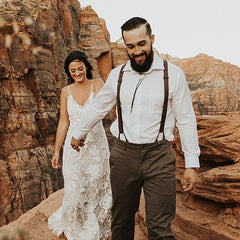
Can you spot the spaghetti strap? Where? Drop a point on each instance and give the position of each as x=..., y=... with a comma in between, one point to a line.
x=92, y=86
x=69, y=93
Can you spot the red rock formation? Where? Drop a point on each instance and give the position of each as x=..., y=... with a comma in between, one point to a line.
x=215, y=85
x=35, y=38
x=119, y=54
x=35, y=220
x=216, y=198
x=95, y=40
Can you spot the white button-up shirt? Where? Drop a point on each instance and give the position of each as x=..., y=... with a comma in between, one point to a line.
x=141, y=125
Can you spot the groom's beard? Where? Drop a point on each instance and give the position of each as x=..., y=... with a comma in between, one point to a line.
x=145, y=66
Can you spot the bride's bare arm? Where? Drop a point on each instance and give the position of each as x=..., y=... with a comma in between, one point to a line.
x=62, y=128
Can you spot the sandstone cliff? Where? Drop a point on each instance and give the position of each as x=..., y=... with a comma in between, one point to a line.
x=215, y=85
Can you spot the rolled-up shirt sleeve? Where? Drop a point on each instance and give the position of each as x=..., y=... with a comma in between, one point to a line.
x=186, y=121
x=101, y=105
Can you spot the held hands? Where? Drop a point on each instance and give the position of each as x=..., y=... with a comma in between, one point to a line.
x=76, y=144
x=189, y=179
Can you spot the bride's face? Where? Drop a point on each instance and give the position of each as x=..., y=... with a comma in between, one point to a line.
x=78, y=71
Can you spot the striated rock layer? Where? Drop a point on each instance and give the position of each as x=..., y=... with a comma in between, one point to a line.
x=211, y=210
x=215, y=85
x=35, y=38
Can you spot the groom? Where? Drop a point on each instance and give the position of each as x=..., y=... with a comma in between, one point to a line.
x=150, y=93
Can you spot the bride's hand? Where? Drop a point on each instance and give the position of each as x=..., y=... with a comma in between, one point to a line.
x=55, y=161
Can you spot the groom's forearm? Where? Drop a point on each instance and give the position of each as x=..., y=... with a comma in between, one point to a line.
x=101, y=105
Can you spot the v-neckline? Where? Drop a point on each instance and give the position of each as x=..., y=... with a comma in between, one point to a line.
x=80, y=104
x=76, y=101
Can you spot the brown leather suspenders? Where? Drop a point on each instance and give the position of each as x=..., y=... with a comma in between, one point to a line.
x=164, y=112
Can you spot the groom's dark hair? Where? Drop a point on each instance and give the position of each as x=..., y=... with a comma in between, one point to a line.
x=134, y=23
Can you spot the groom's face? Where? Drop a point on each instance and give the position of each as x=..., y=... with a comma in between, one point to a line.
x=139, y=48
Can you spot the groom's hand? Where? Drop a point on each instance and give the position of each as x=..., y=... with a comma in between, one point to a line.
x=76, y=144
x=189, y=179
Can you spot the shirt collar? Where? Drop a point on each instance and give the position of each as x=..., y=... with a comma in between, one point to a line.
x=156, y=65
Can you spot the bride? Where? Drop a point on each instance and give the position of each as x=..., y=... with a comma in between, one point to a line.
x=85, y=212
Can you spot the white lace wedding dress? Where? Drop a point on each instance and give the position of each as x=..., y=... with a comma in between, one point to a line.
x=85, y=212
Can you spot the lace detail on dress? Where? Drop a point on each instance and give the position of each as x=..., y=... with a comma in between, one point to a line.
x=85, y=212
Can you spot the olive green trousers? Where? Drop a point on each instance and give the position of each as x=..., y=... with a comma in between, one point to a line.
x=151, y=167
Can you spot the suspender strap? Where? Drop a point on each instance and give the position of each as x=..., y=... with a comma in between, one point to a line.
x=166, y=90
x=119, y=110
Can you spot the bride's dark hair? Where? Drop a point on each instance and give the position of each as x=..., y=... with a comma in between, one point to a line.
x=81, y=56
